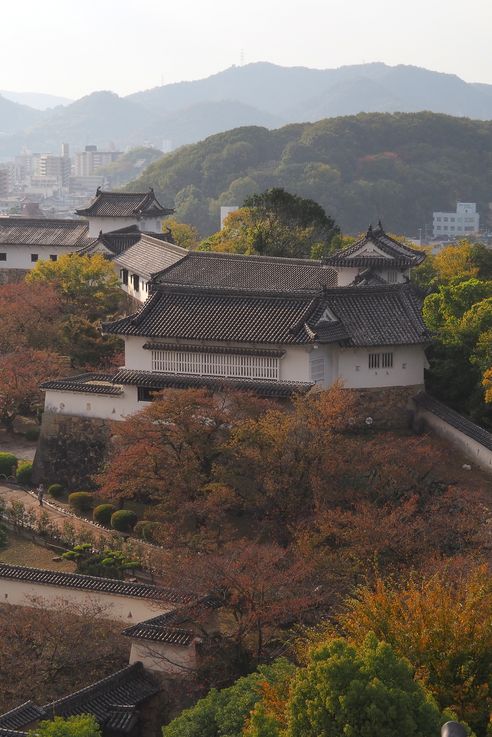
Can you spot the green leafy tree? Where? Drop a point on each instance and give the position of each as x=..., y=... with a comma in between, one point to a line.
x=184, y=235
x=365, y=692
x=88, y=285
x=224, y=713
x=82, y=725
x=276, y=223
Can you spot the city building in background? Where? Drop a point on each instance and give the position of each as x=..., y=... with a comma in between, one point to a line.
x=464, y=221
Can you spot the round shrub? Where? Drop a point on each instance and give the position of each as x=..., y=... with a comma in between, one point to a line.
x=81, y=500
x=124, y=520
x=145, y=530
x=32, y=433
x=24, y=473
x=102, y=514
x=8, y=464
x=55, y=490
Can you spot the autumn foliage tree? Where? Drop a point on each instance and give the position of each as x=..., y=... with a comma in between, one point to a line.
x=442, y=624
x=21, y=373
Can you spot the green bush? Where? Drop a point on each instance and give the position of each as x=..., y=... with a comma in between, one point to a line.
x=81, y=500
x=145, y=530
x=56, y=490
x=24, y=473
x=32, y=433
x=102, y=514
x=8, y=464
x=124, y=520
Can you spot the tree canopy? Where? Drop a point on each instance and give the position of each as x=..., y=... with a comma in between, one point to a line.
x=276, y=223
x=359, y=168
x=82, y=725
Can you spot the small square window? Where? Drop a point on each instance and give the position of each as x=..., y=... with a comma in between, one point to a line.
x=3, y=256
x=374, y=360
x=53, y=257
x=34, y=257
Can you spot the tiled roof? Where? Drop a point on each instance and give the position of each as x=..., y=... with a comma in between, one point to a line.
x=117, y=241
x=150, y=255
x=44, y=232
x=11, y=733
x=218, y=315
x=86, y=384
x=235, y=271
x=124, y=204
x=153, y=380
x=21, y=716
x=126, y=688
x=362, y=316
x=160, y=633
x=91, y=583
x=467, y=427
x=393, y=253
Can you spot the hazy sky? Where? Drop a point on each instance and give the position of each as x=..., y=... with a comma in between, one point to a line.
x=73, y=47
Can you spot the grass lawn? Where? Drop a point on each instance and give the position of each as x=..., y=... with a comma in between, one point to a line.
x=22, y=552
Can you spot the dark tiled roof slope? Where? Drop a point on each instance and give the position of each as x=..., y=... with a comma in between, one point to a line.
x=85, y=384
x=44, y=232
x=467, y=427
x=234, y=271
x=149, y=256
x=152, y=380
x=159, y=633
x=11, y=733
x=127, y=687
x=394, y=253
x=117, y=241
x=361, y=316
x=91, y=583
x=21, y=716
x=124, y=204
x=219, y=315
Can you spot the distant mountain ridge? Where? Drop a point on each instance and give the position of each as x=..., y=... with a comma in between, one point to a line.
x=261, y=93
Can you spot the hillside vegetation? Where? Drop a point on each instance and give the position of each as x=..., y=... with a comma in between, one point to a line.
x=398, y=167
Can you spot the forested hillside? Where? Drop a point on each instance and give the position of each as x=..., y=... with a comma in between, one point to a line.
x=397, y=167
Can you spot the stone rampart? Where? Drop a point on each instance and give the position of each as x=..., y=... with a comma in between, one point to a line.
x=387, y=408
x=70, y=449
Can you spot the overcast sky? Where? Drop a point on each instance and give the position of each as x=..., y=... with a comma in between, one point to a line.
x=73, y=47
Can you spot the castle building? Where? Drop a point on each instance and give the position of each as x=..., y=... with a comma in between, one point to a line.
x=114, y=210
x=271, y=325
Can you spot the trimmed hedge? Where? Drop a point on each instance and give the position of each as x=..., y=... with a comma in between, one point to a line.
x=145, y=530
x=8, y=463
x=81, y=500
x=24, y=473
x=32, y=433
x=103, y=513
x=56, y=490
x=124, y=520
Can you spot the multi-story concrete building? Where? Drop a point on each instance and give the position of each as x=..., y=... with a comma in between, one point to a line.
x=464, y=221
x=88, y=162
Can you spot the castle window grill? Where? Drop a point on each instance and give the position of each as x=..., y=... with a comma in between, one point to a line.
x=216, y=364
x=380, y=360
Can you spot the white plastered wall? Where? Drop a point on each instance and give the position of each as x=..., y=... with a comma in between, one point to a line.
x=127, y=609
x=19, y=257
x=164, y=657
x=93, y=405
x=408, y=367
x=98, y=224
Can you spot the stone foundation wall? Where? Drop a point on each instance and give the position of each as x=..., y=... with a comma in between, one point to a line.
x=70, y=449
x=389, y=408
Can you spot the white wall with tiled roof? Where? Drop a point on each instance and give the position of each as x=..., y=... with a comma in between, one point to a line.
x=106, y=224
x=92, y=405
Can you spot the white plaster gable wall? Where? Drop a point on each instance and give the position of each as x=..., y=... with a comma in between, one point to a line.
x=136, y=356
x=408, y=367
x=129, y=609
x=19, y=257
x=93, y=405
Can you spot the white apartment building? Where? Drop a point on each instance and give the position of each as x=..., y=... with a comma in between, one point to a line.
x=464, y=221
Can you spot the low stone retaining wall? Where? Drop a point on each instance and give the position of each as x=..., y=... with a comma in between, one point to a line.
x=388, y=408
